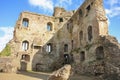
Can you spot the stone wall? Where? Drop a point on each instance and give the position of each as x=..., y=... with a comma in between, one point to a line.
x=79, y=38
x=6, y=65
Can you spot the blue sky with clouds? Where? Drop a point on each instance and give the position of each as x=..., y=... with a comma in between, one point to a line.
x=10, y=10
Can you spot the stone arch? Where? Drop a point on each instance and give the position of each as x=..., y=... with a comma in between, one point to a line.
x=49, y=26
x=99, y=53
x=25, y=22
x=25, y=45
x=25, y=57
x=90, y=35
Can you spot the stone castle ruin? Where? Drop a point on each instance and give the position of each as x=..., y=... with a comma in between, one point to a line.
x=79, y=38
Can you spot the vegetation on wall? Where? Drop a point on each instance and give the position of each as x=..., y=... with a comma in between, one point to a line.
x=88, y=46
x=6, y=51
x=76, y=50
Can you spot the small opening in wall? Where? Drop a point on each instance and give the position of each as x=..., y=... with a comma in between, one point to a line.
x=90, y=36
x=88, y=8
x=49, y=26
x=25, y=45
x=80, y=13
x=49, y=48
x=82, y=56
x=66, y=48
x=60, y=19
x=66, y=59
x=25, y=22
x=25, y=57
x=72, y=42
x=92, y=3
x=99, y=53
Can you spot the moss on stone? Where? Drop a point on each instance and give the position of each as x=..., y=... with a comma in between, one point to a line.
x=6, y=51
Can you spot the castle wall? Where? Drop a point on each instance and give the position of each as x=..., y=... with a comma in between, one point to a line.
x=44, y=43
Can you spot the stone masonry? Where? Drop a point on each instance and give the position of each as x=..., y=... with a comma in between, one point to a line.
x=79, y=38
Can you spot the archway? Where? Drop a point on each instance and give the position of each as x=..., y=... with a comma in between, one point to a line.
x=66, y=59
x=23, y=66
x=99, y=53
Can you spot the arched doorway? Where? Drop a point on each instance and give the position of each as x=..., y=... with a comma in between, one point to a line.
x=23, y=66
x=99, y=53
x=25, y=58
x=66, y=59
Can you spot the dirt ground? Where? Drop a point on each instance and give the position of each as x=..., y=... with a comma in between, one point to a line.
x=35, y=76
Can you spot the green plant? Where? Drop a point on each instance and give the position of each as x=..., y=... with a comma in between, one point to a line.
x=6, y=51
x=76, y=50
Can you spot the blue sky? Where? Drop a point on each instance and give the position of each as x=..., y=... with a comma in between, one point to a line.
x=10, y=10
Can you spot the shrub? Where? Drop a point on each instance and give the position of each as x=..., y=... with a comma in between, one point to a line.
x=6, y=51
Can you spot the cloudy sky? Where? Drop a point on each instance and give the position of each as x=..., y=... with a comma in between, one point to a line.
x=10, y=10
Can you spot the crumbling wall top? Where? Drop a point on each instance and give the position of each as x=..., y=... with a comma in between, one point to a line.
x=61, y=12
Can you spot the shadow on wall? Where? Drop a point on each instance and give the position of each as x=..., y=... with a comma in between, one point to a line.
x=50, y=53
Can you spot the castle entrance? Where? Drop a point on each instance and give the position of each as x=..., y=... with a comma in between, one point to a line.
x=25, y=58
x=23, y=66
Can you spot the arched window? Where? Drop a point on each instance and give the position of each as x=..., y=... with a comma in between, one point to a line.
x=49, y=26
x=66, y=48
x=25, y=45
x=25, y=22
x=99, y=53
x=82, y=56
x=90, y=36
x=72, y=42
x=81, y=35
x=49, y=47
x=88, y=9
x=80, y=13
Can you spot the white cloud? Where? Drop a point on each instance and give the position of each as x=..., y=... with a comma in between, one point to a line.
x=43, y=4
x=6, y=37
x=114, y=9
x=48, y=5
x=63, y=3
x=112, y=2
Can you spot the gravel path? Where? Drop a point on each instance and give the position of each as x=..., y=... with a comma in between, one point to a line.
x=35, y=76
